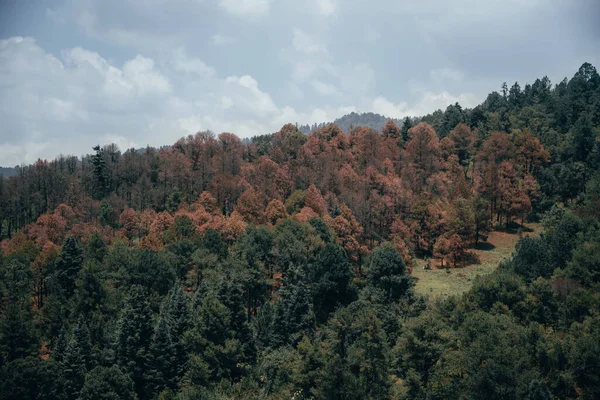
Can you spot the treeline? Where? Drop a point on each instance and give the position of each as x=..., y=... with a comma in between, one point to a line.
x=281, y=268
x=353, y=120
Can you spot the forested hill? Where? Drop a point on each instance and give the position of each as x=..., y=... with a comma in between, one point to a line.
x=6, y=171
x=353, y=120
x=282, y=267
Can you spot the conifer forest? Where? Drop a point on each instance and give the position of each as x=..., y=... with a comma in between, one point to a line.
x=283, y=266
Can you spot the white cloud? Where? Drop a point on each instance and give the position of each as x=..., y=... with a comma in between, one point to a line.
x=226, y=102
x=140, y=72
x=251, y=97
x=246, y=7
x=326, y=7
x=51, y=104
x=428, y=103
x=182, y=62
x=443, y=74
x=220, y=40
x=305, y=43
x=324, y=89
x=358, y=79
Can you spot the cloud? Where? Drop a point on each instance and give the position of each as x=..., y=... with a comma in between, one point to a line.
x=307, y=44
x=246, y=7
x=220, y=40
x=182, y=62
x=428, y=103
x=326, y=7
x=442, y=74
x=324, y=89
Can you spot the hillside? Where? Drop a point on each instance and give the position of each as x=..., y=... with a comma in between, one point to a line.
x=292, y=265
x=6, y=171
x=348, y=121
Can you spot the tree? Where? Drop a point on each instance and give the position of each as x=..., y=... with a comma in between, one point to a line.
x=100, y=173
x=77, y=359
x=133, y=338
x=423, y=154
x=275, y=211
x=107, y=383
x=293, y=314
x=387, y=273
x=463, y=140
x=406, y=126
x=251, y=206
x=391, y=130
x=161, y=367
x=331, y=276
x=18, y=338
x=68, y=266
x=314, y=200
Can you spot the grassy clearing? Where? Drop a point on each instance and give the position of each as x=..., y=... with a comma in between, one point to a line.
x=438, y=283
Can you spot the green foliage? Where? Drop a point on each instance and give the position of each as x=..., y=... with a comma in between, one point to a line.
x=18, y=337
x=107, y=383
x=295, y=202
x=331, y=276
x=30, y=379
x=386, y=273
x=133, y=337
x=278, y=312
x=68, y=266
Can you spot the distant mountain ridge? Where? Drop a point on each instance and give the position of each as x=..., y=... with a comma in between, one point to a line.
x=349, y=121
x=8, y=171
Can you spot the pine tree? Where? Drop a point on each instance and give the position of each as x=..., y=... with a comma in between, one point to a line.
x=60, y=345
x=179, y=321
x=18, y=338
x=90, y=295
x=406, y=125
x=161, y=369
x=230, y=294
x=100, y=173
x=331, y=276
x=96, y=248
x=81, y=334
x=107, y=383
x=68, y=266
x=74, y=363
x=293, y=314
x=134, y=333
x=387, y=273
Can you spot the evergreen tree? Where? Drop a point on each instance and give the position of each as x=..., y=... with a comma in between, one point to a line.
x=134, y=334
x=387, y=273
x=100, y=173
x=107, y=383
x=18, y=338
x=179, y=322
x=96, y=248
x=293, y=314
x=59, y=347
x=331, y=276
x=90, y=295
x=74, y=366
x=406, y=125
x=161, y=368
x=68, y=266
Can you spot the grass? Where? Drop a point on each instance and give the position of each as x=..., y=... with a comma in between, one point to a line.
x=436, y=283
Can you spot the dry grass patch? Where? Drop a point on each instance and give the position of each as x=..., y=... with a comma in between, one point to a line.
x=439, y=283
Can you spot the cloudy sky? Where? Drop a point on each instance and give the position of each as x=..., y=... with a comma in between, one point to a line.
x=74, y=73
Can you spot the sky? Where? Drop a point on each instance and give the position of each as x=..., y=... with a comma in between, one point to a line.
x=76, y=73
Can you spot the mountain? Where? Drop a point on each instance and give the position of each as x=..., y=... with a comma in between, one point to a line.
x=348, y=121
x=8, y=171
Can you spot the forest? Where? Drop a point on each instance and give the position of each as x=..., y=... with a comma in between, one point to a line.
x=281, y=267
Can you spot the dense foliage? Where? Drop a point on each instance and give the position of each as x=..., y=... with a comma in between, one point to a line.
x=281, y=268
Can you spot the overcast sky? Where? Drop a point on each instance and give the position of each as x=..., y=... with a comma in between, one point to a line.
x=75, y=73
